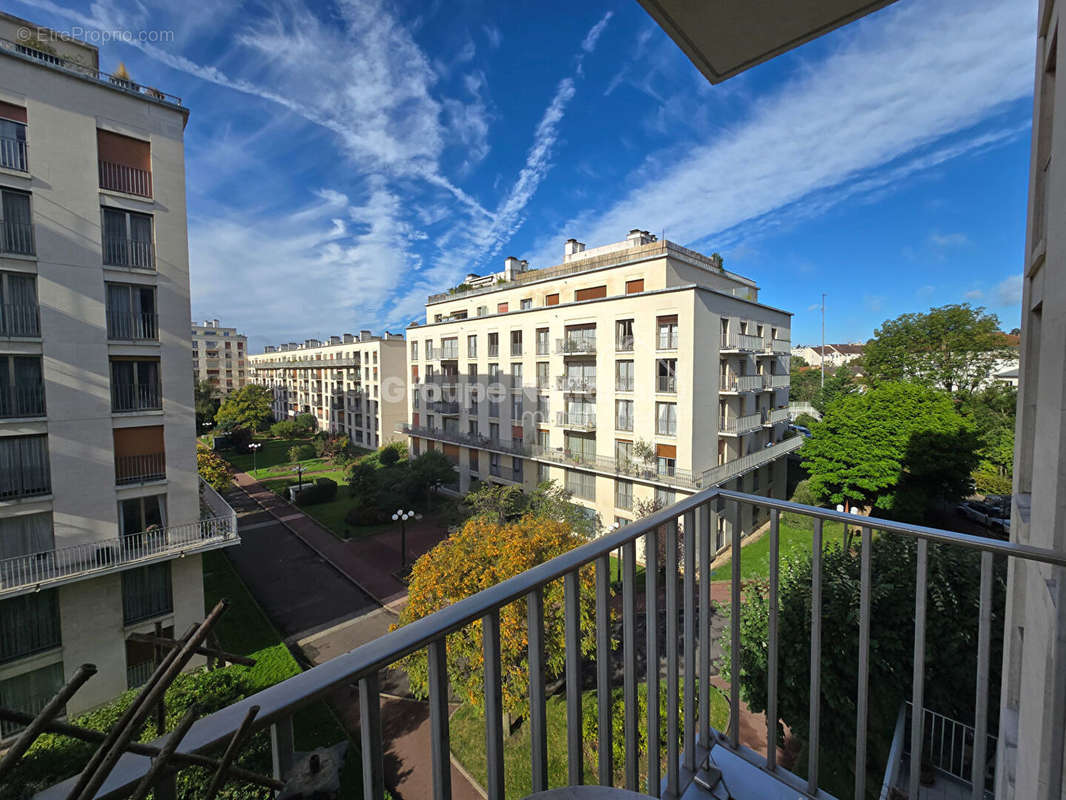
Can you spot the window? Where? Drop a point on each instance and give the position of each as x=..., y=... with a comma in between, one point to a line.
x=494, y=408
x=125, y=164
x=551, y=299
x=623, y=452
x=131, y=312
x=147, y=592
x=494, y=371
x=666, y=419
x=580, y=339
x=24, y=467
x=666, y=375
x=516, y=376
x=24, y=535
x=18, y=305
x=494, y=464
x=516, y=407
x=516, y=470
x=28, y=692
x=494, y=345
x=471, y=427
x=623, y=336
x=449, y=348
x=543, y=376
x=526, y=302
x=429, y=352
x=471, y=346
x=135, y=385
x=128, y=239
x=138, y=514
x=581, y=484
x=623, y=494
x=544, y=473
x=665, y=497
x=494, y=430
x=21, y=387
x=471, y=371
x=139, y=454
x=29, y=624
x=516, y=343
x=501, y=308
x=473, y=461
x=16, y=224
x=667, y=333
x=414, y=351
x=13, y=137
x=542, y=407
x=635, y=286
x=590, y=293
x=482, y=311
x=623, y=416
x=623, y=376
x=666, y=459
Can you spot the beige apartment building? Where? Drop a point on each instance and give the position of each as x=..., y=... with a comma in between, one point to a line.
x=219, y=356
x=355, y=385
x=101, y=527
x=632, y=372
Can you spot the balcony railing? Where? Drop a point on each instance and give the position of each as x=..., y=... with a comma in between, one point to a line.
x=781, y=347
x=13, y=154
x=468, y=439
x=585, y=421
x=677, y=602
x=575, y=385
x=772, y=416
x=576, y=346
x=449, y=353
x=742, y=343
x=16, y=238
x=607, y=464
x=742, y=383
x=63, y=564
x=125, y=179
x=129, y=325
x=716, y=476
x=20, y=319
x=666, y=384
x=137, y=675
x=22, y=401
x=449, y=407
x=624, y=344
x=137, y=397
x=738, y=425
x=122, y=252
x=140, y=468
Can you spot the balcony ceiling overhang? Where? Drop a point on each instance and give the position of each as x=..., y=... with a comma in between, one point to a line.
x=725, y=37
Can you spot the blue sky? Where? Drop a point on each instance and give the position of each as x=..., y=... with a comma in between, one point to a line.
x=346, y=159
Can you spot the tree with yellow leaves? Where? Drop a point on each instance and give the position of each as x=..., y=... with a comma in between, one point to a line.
x=479, y=555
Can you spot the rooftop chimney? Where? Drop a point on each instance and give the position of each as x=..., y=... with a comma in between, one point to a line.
x=571, y=249
x=364, y=336
x=638, y=237
x=348, y=338
x=334, y=340
x=511, y=267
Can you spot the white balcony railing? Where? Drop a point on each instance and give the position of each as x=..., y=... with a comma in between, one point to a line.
x=740, y=466
x=576, y=384
x=738, y=425
x=781, y=347
x=742, y=383
x=776, y=381
x=63, y=564
x=742, y=342
x=584, y=420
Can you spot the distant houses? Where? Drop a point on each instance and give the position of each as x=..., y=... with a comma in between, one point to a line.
x=834, y=355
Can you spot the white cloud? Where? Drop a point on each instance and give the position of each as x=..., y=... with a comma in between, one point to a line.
x=593, y=36
x=896, y=83
x=925, y=292
x=1008, y=292
x=493, y=34
x=948, y=240
x=973, y=294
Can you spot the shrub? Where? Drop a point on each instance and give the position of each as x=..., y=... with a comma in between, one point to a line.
x=212, y=468
x=240, y=438
x=306, y=423
x=389, y=456
x=806, y=421
x=301, y=452
x=323, y=491
x=286, y=429
x=366, y=514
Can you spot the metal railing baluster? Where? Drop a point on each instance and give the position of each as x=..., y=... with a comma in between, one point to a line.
x=651, y=618
x=672, y=665
x=918, y=698
x=603, y=669
x=629, y=663
x=734, y=630
x=438, y=720
x=538, y=723
x=771, y=642
x=370, y=736
x=689, y=601
x=816, y=657
x=980, y=725
x=704, y=516
x=864, y=664
x=572, y=624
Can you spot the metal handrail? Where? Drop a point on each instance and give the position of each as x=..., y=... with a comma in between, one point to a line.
x=132, y=325
x=576, y=345
x=13, y=154
x=738, y=425
x=694, y=731
x=739, y=466
x=140, y=468
x=22, y=401
x=16, y=238
x=126, y=179
x=120, y=251
x=20, y=319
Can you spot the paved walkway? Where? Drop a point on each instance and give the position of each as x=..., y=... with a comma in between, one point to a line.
x=369, y=561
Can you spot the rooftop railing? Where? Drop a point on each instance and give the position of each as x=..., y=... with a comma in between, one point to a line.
x=676, y=601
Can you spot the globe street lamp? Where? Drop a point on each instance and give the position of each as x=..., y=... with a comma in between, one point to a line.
x=254, y=447
x=403, y=516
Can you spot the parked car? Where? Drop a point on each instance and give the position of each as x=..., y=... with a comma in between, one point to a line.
x=987, y=514
x=802, y=431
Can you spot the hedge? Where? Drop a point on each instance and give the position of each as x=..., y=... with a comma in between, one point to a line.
x=323, y=491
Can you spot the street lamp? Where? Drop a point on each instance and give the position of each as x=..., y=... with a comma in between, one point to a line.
x=254, y=447
x=403, y=516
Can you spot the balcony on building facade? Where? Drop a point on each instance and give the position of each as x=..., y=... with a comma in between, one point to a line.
x=737, y=384
x=581, y=420
x=576, y=346
x=448, y=408
x=608, y=465
x=775, y=382
x=122, y=252
x=780, y=347
x=137, y=397
x=141, y=325
x=140, y=468
x=22, y=401
x=16, y=239
x=13, y=153
x=672, y=598
x=573, y=385
x=474, y=440
x=666, y=384
x=44, y=569
x=20, y=320
x=448, y=352
x=772, y=416
x=623, y=344
x=736, y=426
x=741, y=343
x=126, y=179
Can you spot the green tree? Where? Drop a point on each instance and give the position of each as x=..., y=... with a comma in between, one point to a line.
x=306, y=424
x=427, y=473
x=482, y=554
x=838, y=383
x=806, y=421
x=248, y=407
x=206, y=402
x=952, y=348
x=950, y=654
x=804, y=381
x=502, y=504
x=896, y=448
x=212, y=467
x=993, y=413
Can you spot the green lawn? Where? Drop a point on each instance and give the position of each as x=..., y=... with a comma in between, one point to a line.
x=467, y=738
x=274, y=452
x=755, y=557
x=332, y=514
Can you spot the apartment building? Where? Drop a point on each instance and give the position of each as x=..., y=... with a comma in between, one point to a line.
x=219, y=356
x=101, y=527
x=354, y=385
x=631, y=372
